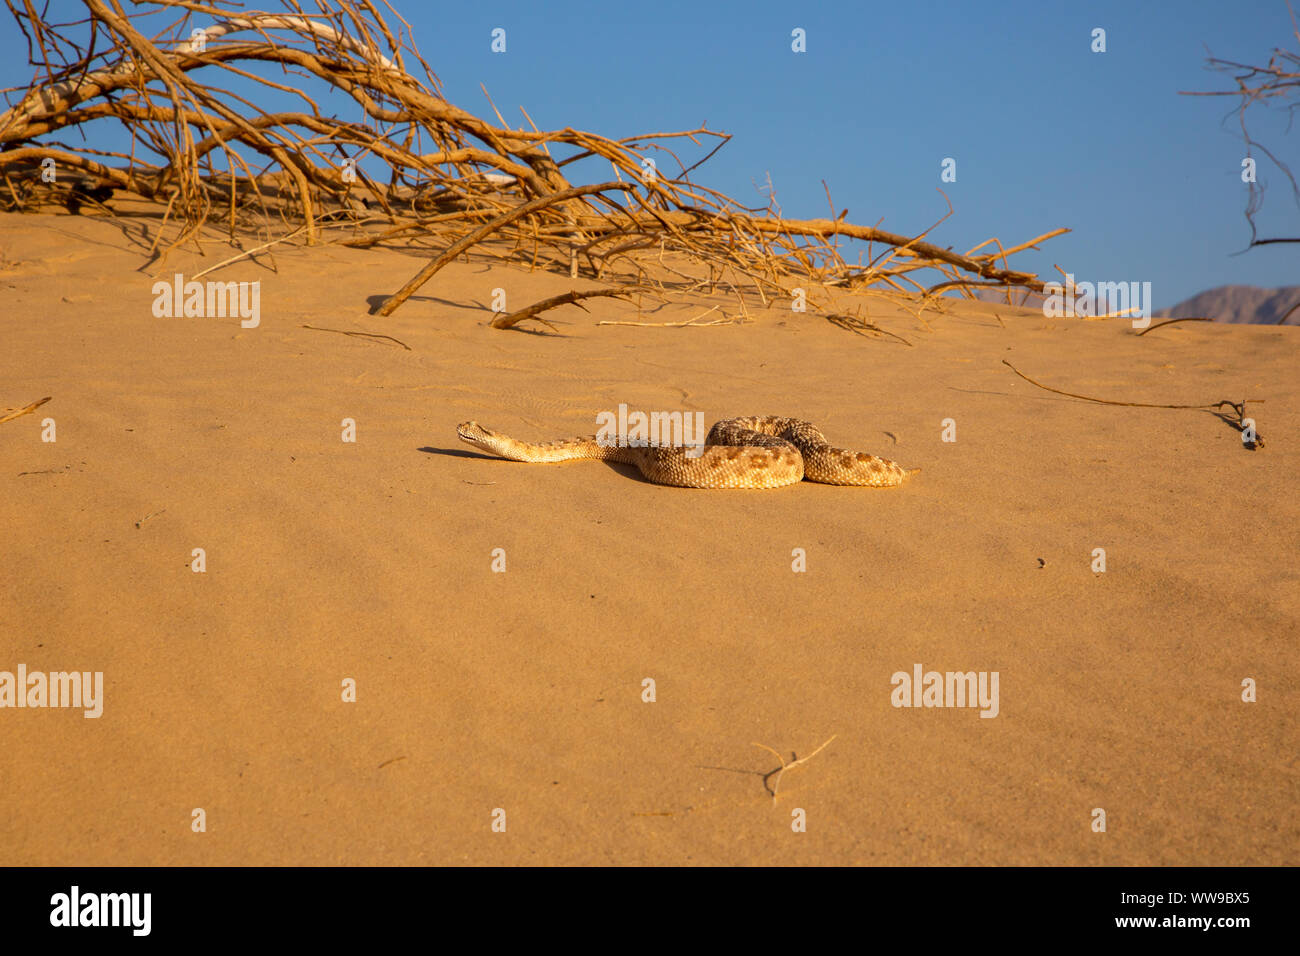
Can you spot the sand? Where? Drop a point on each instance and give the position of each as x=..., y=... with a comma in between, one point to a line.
x=523, y=690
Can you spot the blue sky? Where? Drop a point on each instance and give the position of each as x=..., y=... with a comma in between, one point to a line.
x=1045, y=132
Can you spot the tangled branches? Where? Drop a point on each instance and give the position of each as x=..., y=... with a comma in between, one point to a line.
x=1262, y=85
x=214, y=155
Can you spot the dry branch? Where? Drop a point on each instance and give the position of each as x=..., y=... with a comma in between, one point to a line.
x=25, y=410
x=564, y=298
x=203, y=153
x=478, y=235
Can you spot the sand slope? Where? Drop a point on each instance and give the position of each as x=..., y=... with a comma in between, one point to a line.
x=480, y=690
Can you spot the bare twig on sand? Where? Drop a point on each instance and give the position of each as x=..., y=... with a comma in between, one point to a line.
x=861, y=327
x=245, y=254
x=780, y=771
x=695, y=322
x=152, y=514
x=25, y=410
x=566, y=298
x=1238, y=407
x=1161, y=325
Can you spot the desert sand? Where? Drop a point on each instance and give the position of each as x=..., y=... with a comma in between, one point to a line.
x=523, y=691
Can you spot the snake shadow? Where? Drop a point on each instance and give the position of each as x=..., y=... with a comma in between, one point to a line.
x=456, y=453
x=629, y=471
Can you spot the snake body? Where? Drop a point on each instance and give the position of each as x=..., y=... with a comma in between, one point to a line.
x=760, y=452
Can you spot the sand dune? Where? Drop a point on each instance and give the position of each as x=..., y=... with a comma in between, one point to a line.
x=523, y=690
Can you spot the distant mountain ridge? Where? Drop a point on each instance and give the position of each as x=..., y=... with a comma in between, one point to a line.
x=1234, y=304
x=1240, y=305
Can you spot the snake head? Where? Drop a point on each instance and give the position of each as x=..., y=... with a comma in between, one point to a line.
x=471, y=432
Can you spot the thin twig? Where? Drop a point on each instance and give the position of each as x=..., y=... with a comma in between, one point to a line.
x=1160, y=325
x=694, y=323
x=780, y=771
x=1238, y=407
x=246, y=254
x=856, y=325
x=152, y=514
x=565, y=298
x=25, y=410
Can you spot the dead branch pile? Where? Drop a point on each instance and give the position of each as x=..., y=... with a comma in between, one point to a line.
x=209, y=155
